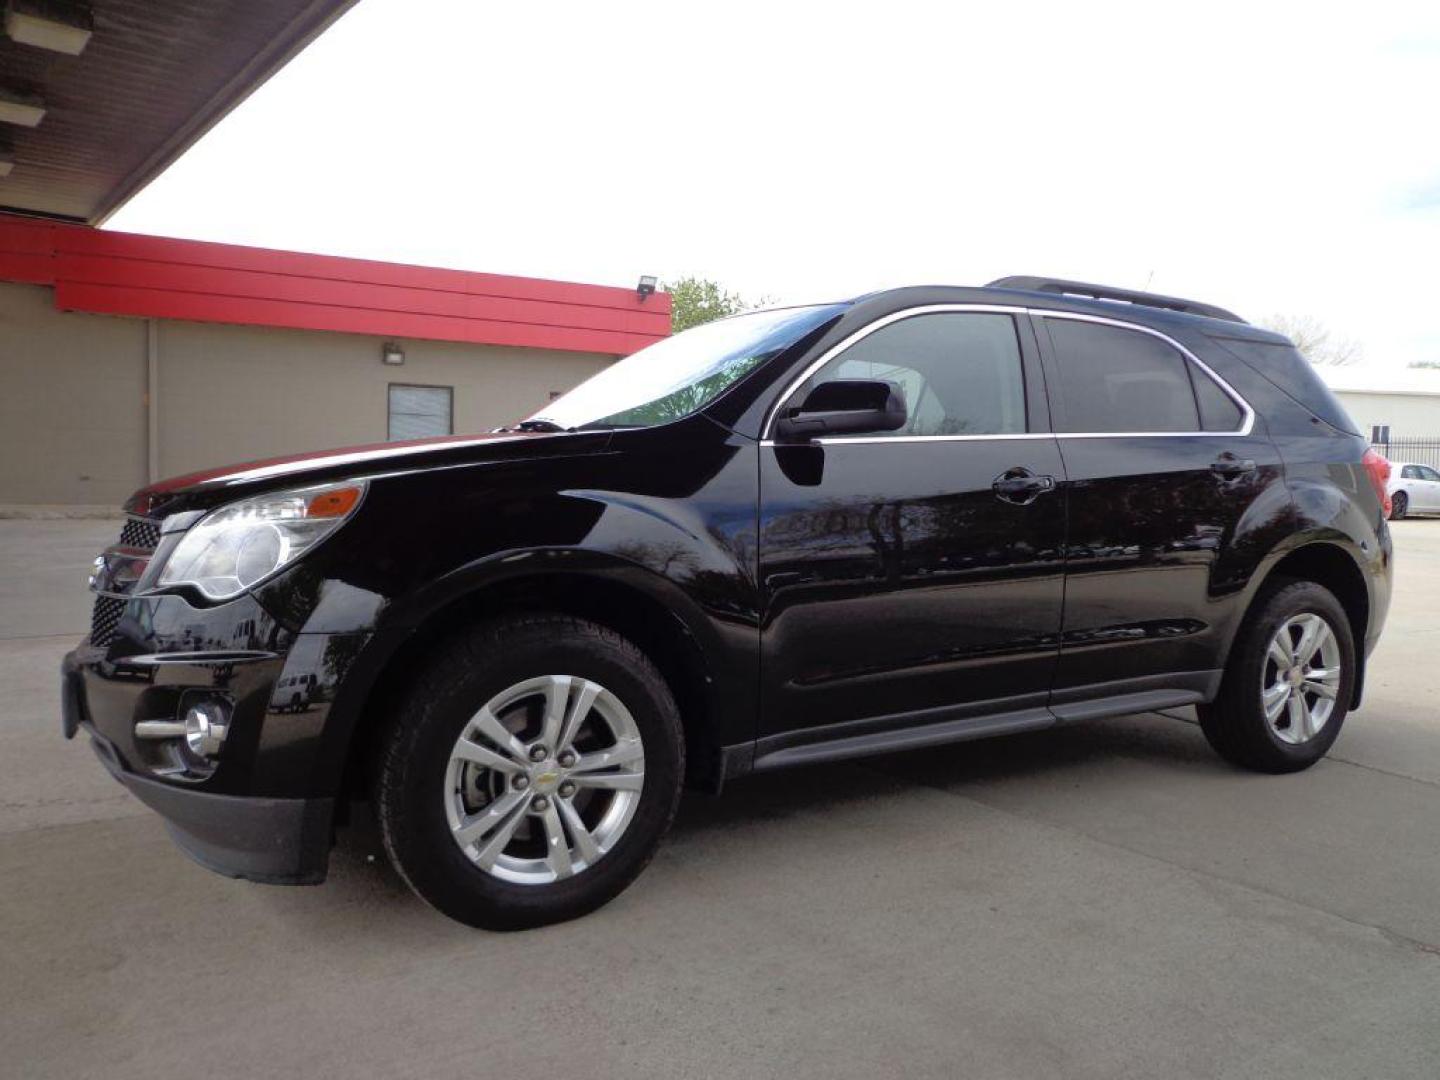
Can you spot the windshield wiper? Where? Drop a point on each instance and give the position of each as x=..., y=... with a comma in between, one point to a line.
x=540, y=424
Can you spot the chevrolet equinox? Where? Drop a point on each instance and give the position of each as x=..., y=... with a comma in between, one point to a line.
x=792, y=536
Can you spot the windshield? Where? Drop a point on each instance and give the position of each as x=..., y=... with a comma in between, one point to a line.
x=677, y=376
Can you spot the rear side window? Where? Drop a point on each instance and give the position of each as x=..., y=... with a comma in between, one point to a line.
x=960, y=371
x=1117, y=380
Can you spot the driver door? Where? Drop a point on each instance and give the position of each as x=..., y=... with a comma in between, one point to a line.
x=903, y=587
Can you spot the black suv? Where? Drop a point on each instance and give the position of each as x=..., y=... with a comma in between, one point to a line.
x=925, y=515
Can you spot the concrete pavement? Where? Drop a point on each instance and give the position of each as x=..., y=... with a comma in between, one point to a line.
x=1109, y=900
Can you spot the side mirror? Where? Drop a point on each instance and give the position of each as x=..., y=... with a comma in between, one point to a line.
x=844, y=407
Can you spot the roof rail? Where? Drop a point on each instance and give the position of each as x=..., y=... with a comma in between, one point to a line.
x=1105, y=292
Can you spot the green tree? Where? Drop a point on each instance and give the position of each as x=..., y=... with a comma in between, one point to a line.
x=698, y=300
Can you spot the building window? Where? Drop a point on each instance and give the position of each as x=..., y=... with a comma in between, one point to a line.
x=421, y=412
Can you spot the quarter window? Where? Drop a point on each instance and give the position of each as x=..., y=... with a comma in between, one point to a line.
x=1218, y=411
x=420, y=412
x=1116, y=380
x=960, y=371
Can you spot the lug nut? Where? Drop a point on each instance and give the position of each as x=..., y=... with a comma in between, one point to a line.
x=521, y=782
x=537, y=753
x=567, y=759
x=540, y=802
x=567, y=789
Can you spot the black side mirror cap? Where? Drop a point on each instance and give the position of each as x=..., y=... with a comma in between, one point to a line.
x=844, y=407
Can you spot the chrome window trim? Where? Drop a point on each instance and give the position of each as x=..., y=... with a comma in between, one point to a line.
x=1245, y=428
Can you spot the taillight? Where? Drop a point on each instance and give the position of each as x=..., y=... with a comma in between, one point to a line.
x=1378, y=469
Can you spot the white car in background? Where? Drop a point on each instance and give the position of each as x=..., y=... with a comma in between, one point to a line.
x=1414, y=489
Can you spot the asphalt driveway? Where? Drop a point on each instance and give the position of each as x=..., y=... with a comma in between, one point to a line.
x=1108, y=900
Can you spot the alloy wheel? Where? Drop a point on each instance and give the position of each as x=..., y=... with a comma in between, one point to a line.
x=544, y=779
x=1301, y=678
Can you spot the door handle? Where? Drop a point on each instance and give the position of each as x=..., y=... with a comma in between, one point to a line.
x=1020, y=486
x=1229, y=465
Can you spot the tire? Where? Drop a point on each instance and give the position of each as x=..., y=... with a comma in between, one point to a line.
x=1399, y=504
x=1237, y=725
x=428, y=788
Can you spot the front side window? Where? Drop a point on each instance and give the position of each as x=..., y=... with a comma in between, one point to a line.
x=1116, y=380
x=420, y=412
x=1410, y=472
x=682, y=374
x=961, y=372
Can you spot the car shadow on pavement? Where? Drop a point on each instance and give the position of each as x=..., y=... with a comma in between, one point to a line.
x=362, y=878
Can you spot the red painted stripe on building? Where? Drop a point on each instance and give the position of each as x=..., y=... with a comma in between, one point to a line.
x=32, y=269
x=160, y=304
x=157, y=277
x=208, y=280
x=27, y=251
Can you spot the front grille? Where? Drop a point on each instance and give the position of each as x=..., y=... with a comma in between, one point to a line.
x=140, y=533
x=102, y=622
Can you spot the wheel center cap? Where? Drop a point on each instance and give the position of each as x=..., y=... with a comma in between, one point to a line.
x=1296, y=676
x=545, y=779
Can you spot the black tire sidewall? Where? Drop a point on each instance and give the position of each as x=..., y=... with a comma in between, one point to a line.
x=1399, y=505
x=418, y=831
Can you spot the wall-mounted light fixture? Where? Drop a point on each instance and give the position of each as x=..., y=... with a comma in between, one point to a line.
x=18, y=107
x=391, y=353
x=58, y=25
x=646, y=286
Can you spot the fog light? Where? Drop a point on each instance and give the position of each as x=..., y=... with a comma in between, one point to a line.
x=206, y=726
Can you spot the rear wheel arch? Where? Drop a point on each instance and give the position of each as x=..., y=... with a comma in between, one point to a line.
x=1329, y=565
x=653, y=626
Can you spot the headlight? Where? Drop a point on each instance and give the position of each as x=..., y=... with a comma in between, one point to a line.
x=237, y=546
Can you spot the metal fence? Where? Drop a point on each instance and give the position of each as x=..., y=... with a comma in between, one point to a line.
x=1421, y=450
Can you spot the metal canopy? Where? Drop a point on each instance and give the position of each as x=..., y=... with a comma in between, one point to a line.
x=154, y=77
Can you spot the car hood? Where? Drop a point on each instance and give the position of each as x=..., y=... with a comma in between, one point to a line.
x=202, y=490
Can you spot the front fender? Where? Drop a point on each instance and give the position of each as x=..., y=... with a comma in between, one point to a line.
x=726, y=647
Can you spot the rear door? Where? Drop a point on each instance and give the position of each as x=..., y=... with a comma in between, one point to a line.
x=1163, y=470
x=905, y=584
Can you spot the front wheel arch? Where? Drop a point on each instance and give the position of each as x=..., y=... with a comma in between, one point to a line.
x=656, y=628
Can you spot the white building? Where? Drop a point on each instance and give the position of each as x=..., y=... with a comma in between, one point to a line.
x=1406, y=400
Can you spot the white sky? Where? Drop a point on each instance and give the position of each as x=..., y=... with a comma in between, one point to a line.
x=1267, y=157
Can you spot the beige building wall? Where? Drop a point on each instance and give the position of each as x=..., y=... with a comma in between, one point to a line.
x=1409, y=415
x=73, y=420
x=72, y=402
x=234, y=393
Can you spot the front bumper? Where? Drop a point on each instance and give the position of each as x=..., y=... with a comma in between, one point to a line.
x=262, y=814
x=277, y=841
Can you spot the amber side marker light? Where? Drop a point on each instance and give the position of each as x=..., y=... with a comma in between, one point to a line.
x=335, y=503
